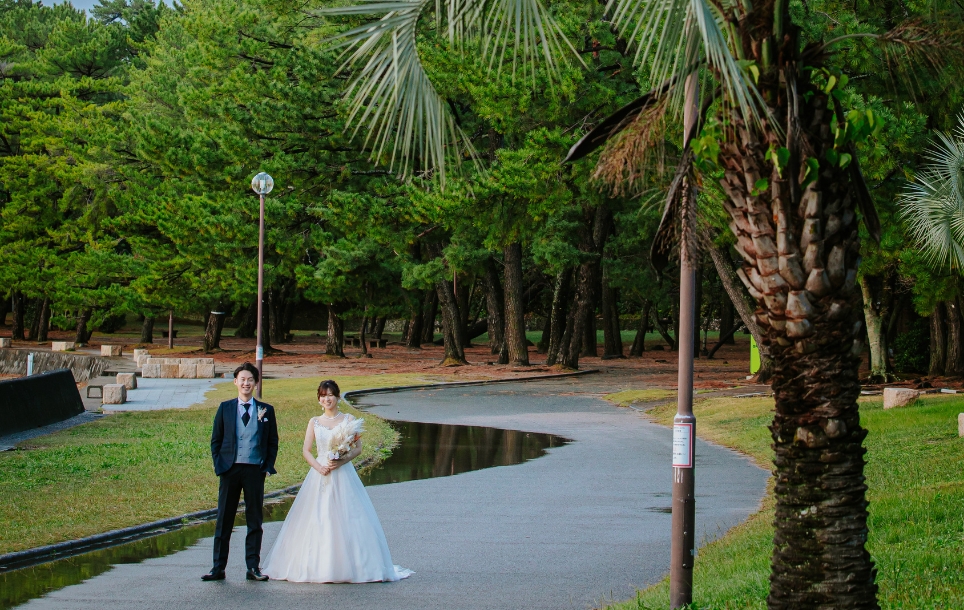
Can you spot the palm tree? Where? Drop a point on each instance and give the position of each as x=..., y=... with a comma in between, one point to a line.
x=794, y=189
x=933, y=205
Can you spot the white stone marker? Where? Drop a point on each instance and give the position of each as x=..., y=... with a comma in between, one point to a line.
x=187, y=371
x=5, y=343
x=111, y=350
x=899, y=397
x=205, y=371
x=151, y=371
x=62, y=346
x=141, y=352
x=960, y=424
x=128, y=380
x=114, y=394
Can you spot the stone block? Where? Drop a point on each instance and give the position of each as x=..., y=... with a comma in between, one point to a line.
x=187, y=371
x=151, y=371
x=899, y=397
x=141, y=352
x=141, y=360
x=172, y=361
x=114, y=394
x=128, y=380
x=169, y=371
x=62, y=346
x=205, y=371
x=111, y=350
x=960, y=424
x=204, y=360
x=5, y=342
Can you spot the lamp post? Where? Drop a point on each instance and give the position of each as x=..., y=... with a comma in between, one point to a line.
x=682, y=550
x=262, y=185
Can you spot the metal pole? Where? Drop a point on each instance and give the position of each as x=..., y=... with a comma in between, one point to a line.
x=29, y=365
x=683, y=552
x=170, y=330
x=259, y=353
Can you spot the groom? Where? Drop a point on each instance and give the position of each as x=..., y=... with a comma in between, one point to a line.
x=244, y=445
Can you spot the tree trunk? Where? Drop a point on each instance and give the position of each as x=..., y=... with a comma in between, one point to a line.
x=82, y=336
x=590, y=340
x=361, y=336
x=663, y=331
x=451, y=325
x=18, y=305
x=212, y=332
x=938, y=341
x=874, y=314
x=249, y=323
x=428, y=316
x=612, y=339
x=380, y=327
x=800, y=244
x=543, y=345
x=464, y=298
x=515, y=324
x=954, y=365
x=147, y=329
x=735, y=291
x=726, y=320
x=639, y=342
x=558, y=314
x=335, y=341
x=5, y=307
x=413, y=339
x=580, y=318
x=37, y=309
x=44, y=327
x=495, y=306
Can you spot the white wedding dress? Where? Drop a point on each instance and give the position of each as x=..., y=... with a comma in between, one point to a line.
x=332, y=533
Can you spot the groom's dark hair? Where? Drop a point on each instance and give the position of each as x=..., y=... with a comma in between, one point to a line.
x=247, y=366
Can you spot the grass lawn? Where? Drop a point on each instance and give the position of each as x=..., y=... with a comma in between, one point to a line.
x=916, y=491
x=135, y=467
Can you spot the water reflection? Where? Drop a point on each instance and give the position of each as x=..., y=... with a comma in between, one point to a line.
x=425, y=451
x=441, y=450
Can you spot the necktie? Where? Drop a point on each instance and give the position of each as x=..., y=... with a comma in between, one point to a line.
x=247, y=416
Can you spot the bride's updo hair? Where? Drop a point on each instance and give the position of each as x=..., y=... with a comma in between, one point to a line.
x=328, y=385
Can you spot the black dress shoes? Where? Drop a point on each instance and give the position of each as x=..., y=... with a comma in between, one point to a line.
x=255, y=574
x=215, y=574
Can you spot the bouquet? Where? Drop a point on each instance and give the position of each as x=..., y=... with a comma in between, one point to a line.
x=344, y=438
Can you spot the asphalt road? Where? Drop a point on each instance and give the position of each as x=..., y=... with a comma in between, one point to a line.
x=583, y=525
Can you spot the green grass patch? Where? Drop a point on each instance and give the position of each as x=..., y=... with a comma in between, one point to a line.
x=630, y=397
x=131, y=468
x=916, y=490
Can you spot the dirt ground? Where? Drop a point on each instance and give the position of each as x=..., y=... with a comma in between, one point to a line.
x=305, y=357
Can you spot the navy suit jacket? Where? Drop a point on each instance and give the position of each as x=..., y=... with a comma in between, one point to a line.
x=224, y=441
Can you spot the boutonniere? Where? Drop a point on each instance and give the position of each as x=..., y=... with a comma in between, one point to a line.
x=261, y=413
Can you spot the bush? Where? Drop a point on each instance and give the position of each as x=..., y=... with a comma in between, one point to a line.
x=912, y=348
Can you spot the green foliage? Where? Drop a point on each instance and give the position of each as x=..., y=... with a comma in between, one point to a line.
x=912, y=349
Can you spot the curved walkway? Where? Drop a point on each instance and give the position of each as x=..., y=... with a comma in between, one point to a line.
x=583, y=525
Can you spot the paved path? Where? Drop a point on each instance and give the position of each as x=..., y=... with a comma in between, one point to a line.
x=575, y=528
x=154, y=394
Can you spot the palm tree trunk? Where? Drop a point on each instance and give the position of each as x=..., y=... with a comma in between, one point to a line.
x=801, y=256
x=515, y=324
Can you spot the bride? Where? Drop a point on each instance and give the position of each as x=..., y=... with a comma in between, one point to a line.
x=332, y=533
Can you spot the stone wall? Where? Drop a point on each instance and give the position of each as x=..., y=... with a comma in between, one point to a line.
x=83, y=368
x=38, y=400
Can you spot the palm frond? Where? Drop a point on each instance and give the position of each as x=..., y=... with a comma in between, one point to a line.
x=390, y=92
x=670, y=35
x=933, y=205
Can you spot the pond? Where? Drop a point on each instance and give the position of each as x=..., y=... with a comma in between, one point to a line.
x=425, y=451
